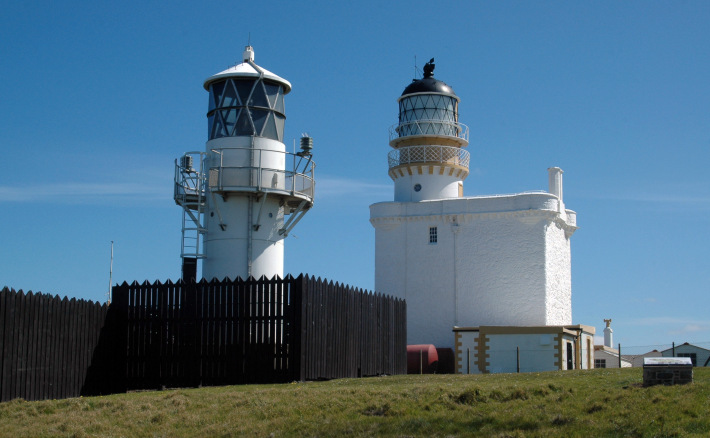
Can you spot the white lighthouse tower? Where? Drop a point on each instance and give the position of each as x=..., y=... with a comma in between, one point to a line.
x=428, y=161
x=245, y=192
x=496, y=260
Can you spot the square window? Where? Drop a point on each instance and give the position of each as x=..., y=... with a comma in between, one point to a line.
x=433, y=235
x=599, y=363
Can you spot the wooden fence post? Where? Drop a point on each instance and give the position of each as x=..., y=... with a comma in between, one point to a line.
x=119, y=305
x=517, y=358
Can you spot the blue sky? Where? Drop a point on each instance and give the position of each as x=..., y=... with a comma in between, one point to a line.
x=98, y=99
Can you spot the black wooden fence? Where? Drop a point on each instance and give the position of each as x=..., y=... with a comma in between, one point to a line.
x=278, y=330
x=350, y=333
x=208, y=333
x=191, y=334
x=47, y=344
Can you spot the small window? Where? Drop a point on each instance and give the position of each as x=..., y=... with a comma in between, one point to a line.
x=599, y=363
x=433, y=238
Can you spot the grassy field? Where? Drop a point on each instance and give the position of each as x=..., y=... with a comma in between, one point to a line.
x=598, y=403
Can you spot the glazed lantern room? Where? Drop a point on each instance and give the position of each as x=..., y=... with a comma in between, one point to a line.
x=428, y=107
x=244, y=101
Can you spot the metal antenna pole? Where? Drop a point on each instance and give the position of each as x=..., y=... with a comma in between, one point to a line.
x=110, y=276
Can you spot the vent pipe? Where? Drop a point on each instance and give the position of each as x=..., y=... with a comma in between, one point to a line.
x=555, y=181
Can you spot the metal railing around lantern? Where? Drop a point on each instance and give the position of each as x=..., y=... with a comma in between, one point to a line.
x=429, y=127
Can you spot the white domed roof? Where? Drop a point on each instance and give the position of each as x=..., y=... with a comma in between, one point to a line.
x=248, y=69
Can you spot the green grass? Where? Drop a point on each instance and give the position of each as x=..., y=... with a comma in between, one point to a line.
x=598, y=403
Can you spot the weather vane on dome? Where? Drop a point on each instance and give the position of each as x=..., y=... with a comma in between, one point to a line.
x=429, y=68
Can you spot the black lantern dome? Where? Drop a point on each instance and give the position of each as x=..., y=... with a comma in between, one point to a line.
x=428, y=84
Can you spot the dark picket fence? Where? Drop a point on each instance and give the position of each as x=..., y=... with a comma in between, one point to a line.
x=47, y=344
x=350, y=333
x=191, y=334
x=249, y=331
x=208, y=333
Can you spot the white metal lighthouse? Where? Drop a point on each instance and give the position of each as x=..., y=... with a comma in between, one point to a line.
x=244, y=193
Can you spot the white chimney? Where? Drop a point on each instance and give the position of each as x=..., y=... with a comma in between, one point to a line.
x=555, y=181
x=608, y=334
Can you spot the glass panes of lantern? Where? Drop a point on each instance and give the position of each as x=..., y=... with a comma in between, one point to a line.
x=245, y=107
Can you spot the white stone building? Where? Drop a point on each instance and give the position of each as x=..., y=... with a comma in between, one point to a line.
x=500, y=260
x=607, y=357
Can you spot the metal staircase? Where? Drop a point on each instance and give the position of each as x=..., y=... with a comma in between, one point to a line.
x=190, y=184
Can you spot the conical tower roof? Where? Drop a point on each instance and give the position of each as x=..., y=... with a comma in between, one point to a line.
x=248, y=69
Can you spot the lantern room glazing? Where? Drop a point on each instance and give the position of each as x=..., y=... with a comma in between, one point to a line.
x=245, y=107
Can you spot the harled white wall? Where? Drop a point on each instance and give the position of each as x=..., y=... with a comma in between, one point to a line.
x=499, y=260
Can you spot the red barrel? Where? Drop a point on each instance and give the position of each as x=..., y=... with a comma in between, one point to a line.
x=422, y=359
